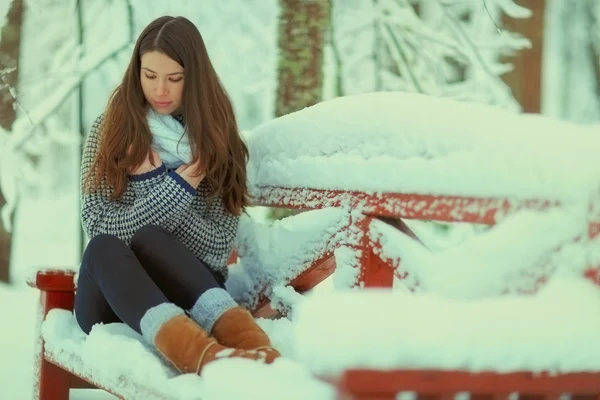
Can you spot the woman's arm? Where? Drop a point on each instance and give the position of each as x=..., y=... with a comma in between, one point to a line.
x=166, y=196
x=211, y=233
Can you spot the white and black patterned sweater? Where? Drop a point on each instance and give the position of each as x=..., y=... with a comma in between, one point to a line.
x=164, y=198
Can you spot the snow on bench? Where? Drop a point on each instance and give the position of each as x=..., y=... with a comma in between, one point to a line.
x=413, y=143
x=112, y=356
x=465, y=324
x=462, y=317
x=275, y=255
x=516, y=256
x=355, y=160
x=394, y=154
x=554, y=331
x=117, y=359
x=136, y=370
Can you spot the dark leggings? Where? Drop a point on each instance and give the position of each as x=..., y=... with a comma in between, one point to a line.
x=119, y=283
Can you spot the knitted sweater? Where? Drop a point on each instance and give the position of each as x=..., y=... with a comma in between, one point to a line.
x=164, y=198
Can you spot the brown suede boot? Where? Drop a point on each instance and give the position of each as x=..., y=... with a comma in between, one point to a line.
x=187, y=346
x=237, y=328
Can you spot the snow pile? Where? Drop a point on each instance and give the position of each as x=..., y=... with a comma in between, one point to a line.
x=117, y=358
x=555, y=330
x=131, y=360
x=282, y=380
x=514, y=256
x=273, y=254
x=412, y=143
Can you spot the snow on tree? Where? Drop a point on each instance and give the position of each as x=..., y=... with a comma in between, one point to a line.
x=446, y=48
x=439, y=47
x=572, y=60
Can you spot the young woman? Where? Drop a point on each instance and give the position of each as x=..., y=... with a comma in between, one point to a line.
x=163, y=185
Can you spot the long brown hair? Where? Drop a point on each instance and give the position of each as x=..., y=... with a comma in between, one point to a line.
x=209, y=118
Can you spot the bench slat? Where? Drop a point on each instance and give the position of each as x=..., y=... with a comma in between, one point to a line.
x=443, y=208
x=366, y=383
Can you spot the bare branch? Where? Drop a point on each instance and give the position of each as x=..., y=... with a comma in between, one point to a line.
x=23, y=130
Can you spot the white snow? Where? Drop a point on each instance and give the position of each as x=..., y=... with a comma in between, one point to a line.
x=412, y=143
x=570, y=60
x=115, y=356
x=555, y=330
x=272, y=254
x=375, y=142
x=493, y=262
x=17, y=308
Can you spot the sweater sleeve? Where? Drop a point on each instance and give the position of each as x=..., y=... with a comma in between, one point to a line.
x=166, y=197
x=212, y=232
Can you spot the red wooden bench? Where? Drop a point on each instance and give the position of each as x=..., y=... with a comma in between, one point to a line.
x=373, y=384
x=57, y=291
x=57, y=288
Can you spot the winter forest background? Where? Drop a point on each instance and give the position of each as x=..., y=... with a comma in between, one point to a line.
x=60, y=59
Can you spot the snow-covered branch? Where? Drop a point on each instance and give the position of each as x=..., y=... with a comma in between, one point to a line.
x=31, y=131
x=441, y=47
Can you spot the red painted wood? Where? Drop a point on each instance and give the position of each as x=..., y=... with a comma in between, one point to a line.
x=233, y=257
x=53, y=382
x=357, y=384
x=320, y=270
x=399, y=205
x=141, y=391
x=374, y=272
x=375, y=382
x=264, y=310
x=79, y=383
x=54, y=281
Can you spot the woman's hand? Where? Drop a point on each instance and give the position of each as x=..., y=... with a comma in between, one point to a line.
x=151, y=162
x=188, y=172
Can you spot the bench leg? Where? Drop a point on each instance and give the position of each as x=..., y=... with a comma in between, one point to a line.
x=52, y=382
x=374, y=272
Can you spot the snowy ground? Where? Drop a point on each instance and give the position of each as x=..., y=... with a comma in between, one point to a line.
x=17, y=307
x=53, y=235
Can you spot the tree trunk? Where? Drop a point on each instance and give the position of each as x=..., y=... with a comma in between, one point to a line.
x=9, y=57
x=303, y=25
x=525, y=80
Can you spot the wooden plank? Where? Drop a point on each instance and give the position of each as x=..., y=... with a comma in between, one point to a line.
x=55, y=281
x=434, y=381
x=137, y=387
x=478, y=210
x=320, y=270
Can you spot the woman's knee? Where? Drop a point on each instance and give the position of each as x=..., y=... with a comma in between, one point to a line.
x=148, y=236
x=101, y=244
x=84, y=324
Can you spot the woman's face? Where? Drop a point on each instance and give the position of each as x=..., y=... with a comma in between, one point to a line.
x=162, y=82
